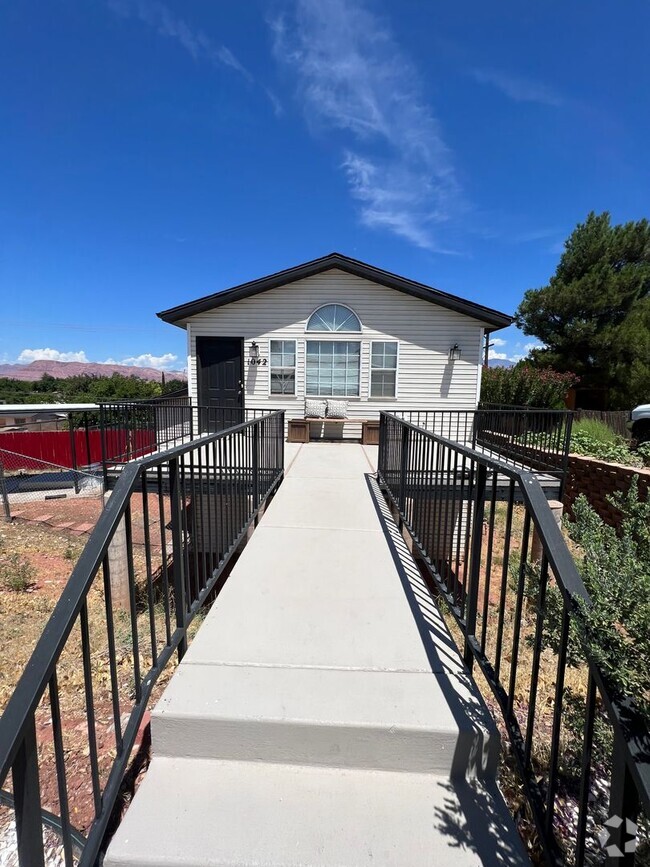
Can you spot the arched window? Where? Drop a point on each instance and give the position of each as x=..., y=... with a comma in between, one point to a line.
x=333, y=317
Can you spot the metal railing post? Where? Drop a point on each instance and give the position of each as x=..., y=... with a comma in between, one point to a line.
x=178, y=553
x=404, y=459
x=282, y=441
x=381, y=463
x=565, y=456
x=256, y=466
x=624, y=803
x=27, y=795
x=73, y=453
x=102, y=438
x=475, y=563
x=87, y=437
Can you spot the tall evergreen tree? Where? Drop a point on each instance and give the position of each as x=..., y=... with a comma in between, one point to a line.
x=594, y=316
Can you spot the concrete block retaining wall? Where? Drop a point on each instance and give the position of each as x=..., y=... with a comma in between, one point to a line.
x=598, y=479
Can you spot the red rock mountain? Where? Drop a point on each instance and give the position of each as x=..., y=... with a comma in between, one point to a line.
x=62, y=369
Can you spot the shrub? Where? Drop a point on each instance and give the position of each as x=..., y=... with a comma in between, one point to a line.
x=595, y=439
x=616, y=573
x=524, y=385
x=70, y=553
x=616, y=626
x=643, y=451
x=596, y=430
x=16, y=573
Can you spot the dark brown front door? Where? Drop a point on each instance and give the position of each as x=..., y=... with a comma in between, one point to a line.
x=220, y=372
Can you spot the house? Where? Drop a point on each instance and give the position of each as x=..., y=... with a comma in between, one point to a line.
x=338, y=329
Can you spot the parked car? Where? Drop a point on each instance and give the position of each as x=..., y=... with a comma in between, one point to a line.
x=640, y=423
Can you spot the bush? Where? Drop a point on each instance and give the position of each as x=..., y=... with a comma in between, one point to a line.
x=595, y=439
x=643, y=451
x=16, y=573
x=524, y=385
x=616, y=573
x=596, y=430
x=615, y=627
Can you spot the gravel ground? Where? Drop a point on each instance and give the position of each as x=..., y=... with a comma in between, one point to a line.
x=9, y=855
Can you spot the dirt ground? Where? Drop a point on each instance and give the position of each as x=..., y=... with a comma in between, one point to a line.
x=47, y=538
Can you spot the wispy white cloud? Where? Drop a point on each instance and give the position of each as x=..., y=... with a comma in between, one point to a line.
x=493, y=355
x=517, y=87
x=161, y=19
x=278, y=108
x=535, y=235
x=29, y=355
x=497, y=341
x=352, y=77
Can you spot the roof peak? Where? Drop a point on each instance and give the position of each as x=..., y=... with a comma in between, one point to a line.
x=491, y=317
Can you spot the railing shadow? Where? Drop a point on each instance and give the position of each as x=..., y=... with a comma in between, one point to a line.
x=474, y=815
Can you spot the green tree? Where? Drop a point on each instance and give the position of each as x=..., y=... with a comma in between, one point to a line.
x=594, y=316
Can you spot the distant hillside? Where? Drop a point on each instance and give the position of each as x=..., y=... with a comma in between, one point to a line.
x=63, y=369
x=501, y=362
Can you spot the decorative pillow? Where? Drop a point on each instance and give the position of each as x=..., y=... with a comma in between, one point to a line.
x=315, y=408
x=337, y=409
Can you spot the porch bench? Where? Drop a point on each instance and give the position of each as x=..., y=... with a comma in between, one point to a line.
x=298, y=431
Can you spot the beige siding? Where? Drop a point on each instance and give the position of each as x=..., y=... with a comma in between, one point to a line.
x=426, y=379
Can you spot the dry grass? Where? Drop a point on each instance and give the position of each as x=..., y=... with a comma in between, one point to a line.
x=51, y=555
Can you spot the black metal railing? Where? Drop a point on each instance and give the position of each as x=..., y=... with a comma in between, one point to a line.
x=492, y=548
x=157, y=552
x=132, y=429
x=525, y=437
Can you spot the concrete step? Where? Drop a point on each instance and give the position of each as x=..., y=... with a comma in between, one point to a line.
x=198, y=813
x=391, y=721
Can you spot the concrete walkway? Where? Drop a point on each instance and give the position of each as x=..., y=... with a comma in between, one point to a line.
x=322, y=715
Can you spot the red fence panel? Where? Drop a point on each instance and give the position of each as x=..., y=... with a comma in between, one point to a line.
x=55, y=447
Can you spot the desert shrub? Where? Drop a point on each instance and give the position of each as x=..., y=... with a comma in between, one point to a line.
x=595, y=439
x=523, y=385
x=70, y=553
x=615, y=570
x=16, y=573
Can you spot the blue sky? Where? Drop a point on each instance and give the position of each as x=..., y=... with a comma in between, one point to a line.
x=154, y=152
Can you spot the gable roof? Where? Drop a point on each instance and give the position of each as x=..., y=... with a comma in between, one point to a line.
x=343, y=263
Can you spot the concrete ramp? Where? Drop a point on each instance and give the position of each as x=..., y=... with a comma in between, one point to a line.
x=322, y=715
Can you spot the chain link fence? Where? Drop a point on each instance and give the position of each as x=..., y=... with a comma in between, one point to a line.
x=25, y=480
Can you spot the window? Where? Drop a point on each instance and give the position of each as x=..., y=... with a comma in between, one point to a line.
x=283, y=367
x=383, y=369
x=334, y=317
x=333, y=368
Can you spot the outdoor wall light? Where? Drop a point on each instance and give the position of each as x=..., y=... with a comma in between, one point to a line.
x=454, y=352
x=254, y=351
